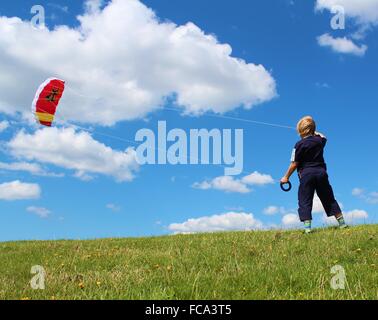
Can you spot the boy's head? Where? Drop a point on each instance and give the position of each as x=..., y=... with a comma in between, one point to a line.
x=306, y=127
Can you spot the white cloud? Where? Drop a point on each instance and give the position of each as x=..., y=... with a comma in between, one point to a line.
x=94, y=6
x=369, y=197
x=351, y=217
x=230, y=221
x=56, y=6
x=205, y=185
x=4, y=126
x=364, y=11
x=40, y=212
x=257, y=178
x=271, y=210
x=83, y=176
x=357, y=192
x=32, y=168
x=74, y=150
x=323, y=85
x=113, y=207
x=230, y=184
x=317, y=206
x=355, y=216
x=225, y=183
x=17, y=190
x=373, y=197
x=291, y=220
x=122, y=62
x=341, y=45
x=330, y=221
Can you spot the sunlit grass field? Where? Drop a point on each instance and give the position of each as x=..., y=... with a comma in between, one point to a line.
x=239, y=265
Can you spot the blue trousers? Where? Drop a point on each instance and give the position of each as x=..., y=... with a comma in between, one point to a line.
x=311, y=180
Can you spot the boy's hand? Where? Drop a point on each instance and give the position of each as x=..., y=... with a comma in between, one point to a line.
x=292, y=168
x=284, y=180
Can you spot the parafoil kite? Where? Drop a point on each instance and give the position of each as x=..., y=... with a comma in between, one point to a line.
x=47, y=100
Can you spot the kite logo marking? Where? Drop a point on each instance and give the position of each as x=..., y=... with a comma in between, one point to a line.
x=51, y=97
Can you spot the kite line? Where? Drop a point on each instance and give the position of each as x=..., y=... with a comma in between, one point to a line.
x=209, y=114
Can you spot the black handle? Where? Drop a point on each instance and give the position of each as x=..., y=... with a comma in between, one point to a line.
x=289, y=186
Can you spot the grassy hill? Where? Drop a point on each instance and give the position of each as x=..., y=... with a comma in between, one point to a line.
x=240, y=265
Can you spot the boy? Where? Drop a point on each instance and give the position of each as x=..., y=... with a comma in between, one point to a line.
x=308, y=159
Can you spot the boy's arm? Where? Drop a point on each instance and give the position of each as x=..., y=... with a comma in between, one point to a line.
x=293, y=166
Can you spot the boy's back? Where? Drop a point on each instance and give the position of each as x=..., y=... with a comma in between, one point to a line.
x=309, y=152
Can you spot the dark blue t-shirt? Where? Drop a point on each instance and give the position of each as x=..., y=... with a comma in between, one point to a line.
x=308, y=152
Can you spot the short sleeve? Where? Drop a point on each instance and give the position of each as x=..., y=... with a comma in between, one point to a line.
x=297, y=154
x=292, y=159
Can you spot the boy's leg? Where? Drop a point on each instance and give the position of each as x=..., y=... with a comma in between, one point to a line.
x=307, y=226
x=305, y=199
x=340, y=219
x=327, y=197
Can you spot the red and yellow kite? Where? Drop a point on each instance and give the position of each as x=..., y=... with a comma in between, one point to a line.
x=47, y=100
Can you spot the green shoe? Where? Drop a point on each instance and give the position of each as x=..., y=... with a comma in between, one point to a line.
x=308, y=231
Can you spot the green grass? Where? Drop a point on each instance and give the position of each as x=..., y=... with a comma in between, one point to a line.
x=239, y=265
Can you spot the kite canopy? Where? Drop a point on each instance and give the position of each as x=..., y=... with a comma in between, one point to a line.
x=47, y=100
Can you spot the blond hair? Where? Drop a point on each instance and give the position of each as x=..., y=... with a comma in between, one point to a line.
x=306, y=127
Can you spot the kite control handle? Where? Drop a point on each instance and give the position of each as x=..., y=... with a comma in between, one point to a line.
x=284, y=188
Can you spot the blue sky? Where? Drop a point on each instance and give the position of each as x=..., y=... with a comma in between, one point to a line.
x=337, y=88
